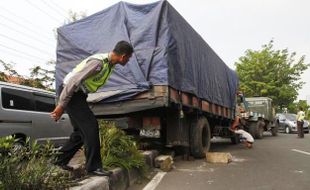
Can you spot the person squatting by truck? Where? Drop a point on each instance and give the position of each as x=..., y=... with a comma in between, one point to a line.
x=237, y=127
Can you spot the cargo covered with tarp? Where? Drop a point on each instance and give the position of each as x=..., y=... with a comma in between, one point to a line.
x=167, y=51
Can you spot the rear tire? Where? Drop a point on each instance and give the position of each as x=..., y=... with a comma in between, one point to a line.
x=274, y=130
x=200, y=137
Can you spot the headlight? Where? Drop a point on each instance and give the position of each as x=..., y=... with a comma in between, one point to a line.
x=292, y=124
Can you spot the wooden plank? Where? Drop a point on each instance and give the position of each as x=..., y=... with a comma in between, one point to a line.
x=196, y=102
x=186, y=99
x=156, y=91
x=174, y=96
x=205, y=106
x=213, y=109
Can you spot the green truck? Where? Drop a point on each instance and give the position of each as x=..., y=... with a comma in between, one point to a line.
x=259, y=116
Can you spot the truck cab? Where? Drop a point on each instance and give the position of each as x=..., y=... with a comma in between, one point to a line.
x=258, y=115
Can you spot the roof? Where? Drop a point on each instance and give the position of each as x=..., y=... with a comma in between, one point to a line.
x=7, y=84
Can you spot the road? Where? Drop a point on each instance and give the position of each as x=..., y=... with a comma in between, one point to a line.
x=281, y=162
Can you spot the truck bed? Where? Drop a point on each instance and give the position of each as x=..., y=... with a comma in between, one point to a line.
x=161, y=96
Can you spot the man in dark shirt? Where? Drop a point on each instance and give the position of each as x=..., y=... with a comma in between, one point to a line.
x=87, y=77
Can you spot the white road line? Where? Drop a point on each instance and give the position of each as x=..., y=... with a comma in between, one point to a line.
x=155, y=181
x=300, y=151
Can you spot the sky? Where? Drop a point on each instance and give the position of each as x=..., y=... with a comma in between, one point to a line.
x=27, y=27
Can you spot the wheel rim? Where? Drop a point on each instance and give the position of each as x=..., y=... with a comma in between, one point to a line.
x=287, y=130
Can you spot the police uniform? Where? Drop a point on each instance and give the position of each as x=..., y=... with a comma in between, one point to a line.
x=86, y=77
x=300, y=123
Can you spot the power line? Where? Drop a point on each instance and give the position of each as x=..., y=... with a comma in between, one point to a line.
x=27, y=45
x=21, y=32
x=22, y=52
x=52, y=2
x=54, y=9
x=20, y=17
x=44, y=12
x=30, y=59
x=24, y=26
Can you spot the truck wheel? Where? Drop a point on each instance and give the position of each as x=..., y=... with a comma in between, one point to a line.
x=235, y=139
x=260, y=130
x=274, y=130
x=253, y=128
x=200, y=137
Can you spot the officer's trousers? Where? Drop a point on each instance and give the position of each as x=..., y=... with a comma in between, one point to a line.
x=85, y=132
x=300, y=129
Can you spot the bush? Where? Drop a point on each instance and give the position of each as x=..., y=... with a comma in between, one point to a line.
x=119, y=149
x=30, y=167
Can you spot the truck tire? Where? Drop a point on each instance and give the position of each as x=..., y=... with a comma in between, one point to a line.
x=260, y=130
x=256, y=129
x=235, y=139
x=200, y=137
x=274, y=129
x=253, y=128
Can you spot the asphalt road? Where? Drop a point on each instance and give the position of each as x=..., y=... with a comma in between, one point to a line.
x=273, y=163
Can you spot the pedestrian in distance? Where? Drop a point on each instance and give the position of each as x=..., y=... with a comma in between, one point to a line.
x=300, y=122
x=90, y=74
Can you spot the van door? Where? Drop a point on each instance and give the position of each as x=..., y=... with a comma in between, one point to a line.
x=15, y=112
x=58, y=131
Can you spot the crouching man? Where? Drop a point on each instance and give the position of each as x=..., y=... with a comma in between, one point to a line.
x=246, y=137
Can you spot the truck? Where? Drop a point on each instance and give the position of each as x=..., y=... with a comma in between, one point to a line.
x=259, y=116
x=175, y=88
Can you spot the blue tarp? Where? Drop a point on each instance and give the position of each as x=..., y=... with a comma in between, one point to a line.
x=168, y=51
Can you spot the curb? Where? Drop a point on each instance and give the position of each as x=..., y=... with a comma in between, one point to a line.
x=121, y=179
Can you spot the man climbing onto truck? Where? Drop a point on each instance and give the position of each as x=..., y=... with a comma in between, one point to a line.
x=92, y=73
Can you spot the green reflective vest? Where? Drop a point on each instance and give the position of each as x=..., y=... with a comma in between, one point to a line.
x=92, y=83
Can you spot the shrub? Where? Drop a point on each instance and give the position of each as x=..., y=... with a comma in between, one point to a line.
x=30, y=167
x=119, y=149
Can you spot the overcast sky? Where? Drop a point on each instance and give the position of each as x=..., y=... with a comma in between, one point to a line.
x=230, y=27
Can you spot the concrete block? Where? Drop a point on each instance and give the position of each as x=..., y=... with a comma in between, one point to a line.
x=133, y=176
x=93, y=183
x=164, y=162
x=218, y=157
x=119, y=180
x=149, y=157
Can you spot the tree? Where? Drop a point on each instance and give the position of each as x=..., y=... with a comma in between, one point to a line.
x=42, y=78
x=271, y=73
x=294, y=107
x=39, y=77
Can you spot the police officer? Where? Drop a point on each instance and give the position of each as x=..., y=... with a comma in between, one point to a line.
x=87, y=77
x=300, y=122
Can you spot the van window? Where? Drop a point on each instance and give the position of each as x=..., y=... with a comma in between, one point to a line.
x=16, y=99
x=44, y=103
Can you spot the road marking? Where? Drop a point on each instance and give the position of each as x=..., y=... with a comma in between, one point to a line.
x=300, y=151
x=155, y=181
